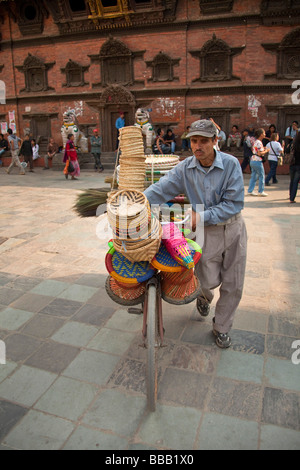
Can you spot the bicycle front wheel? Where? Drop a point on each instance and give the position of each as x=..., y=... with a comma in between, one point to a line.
x=152, y=345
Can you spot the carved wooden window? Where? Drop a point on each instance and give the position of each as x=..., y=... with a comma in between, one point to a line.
x=116, y=63
x=30, y=16
x=74, y=74
x=77, y=8
x=77, y=5
x=214, y=7
x=163, y=68
x=36, y=74
x=280, y=11
x=288, y=56
x=108, y=8
x=216, y=60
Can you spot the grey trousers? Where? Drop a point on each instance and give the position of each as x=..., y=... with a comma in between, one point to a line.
x=223, y=265
x=15, y=162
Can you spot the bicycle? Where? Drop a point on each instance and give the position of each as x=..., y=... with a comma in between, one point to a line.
x=153, y=329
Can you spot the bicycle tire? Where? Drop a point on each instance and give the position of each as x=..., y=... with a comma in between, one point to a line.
x=152, y=338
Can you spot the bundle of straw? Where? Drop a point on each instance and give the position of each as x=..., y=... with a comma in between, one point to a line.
x=88, y=201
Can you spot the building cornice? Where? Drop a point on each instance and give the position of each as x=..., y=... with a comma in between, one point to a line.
x=152, y=93
x=140, y=27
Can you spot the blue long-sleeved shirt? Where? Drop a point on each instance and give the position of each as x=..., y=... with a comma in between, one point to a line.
x=120, y=122
x=220, y=189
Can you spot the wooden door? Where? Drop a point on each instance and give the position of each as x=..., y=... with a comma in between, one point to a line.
x=40, y=127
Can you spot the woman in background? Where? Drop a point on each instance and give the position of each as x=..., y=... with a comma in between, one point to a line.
x=35, y=149
x=71, y=156
x=257, y=165
x=275, y=151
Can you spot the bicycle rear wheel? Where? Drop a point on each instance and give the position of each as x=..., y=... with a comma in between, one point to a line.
x=152, y=346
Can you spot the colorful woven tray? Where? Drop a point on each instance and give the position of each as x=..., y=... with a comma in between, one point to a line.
x=164, y=261
x=123, y=294
x=123, y=270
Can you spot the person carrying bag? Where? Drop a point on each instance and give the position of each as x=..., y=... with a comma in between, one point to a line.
x=274, y=158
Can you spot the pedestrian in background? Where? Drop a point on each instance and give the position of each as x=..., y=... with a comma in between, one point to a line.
x=96, y=146
x=295, y=169
x=3, y=146
x=51, y=151
x=70, y=156
x=247, y=147
x=120, y=122
x=26, y=152
x=275, y=151
x=14, y=144
x=185, y=143
x=257, y=165
x=35, y=149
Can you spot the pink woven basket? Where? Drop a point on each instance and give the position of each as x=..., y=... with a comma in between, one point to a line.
x=177, y=245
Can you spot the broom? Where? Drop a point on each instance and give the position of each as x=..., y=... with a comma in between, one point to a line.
x=88, y=201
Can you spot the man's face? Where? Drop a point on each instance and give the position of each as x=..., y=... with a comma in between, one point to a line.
x=203, y=149
x=294, y=125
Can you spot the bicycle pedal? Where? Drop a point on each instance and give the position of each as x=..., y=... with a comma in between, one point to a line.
x=135, y=311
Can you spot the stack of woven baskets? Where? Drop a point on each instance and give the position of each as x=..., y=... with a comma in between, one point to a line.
x=132, y=159
x=137, y=234
x=157, y=166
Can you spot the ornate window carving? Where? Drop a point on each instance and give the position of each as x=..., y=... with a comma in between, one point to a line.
x=108, y=8
x=35, y=71
x=116, y=63
x=162, y=66
x=117, y=95
x=213, y=7
x=288, y=56
x=76, y=8
x=74, y=74
x=30, y=16
x=216, y=60
x=280, y=11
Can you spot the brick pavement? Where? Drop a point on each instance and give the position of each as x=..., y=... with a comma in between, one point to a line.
x=74, y=373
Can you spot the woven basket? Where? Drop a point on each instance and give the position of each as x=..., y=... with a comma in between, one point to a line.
x=125, y=271
x=180, y=288
x=132, y=159
x=124, y=295
x=146, y=251
x=163, y=261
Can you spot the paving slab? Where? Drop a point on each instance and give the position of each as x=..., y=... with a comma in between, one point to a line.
x=74, y=376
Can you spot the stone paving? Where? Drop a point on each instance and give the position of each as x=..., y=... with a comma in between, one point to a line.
x=74, y=372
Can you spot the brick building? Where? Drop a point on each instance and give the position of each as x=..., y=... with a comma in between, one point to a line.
x=237, y=61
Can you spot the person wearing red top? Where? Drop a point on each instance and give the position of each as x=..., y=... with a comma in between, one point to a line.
x=71, y=156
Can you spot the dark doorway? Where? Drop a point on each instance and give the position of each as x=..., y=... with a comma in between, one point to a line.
x=41, y=129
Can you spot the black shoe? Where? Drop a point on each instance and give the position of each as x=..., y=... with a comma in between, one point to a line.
x=223, y=340
x=203, y=307
x=45, y=168
x=66, y=176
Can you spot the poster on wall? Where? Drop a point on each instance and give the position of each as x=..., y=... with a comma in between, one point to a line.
x=3, y=127
x=12, y=121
